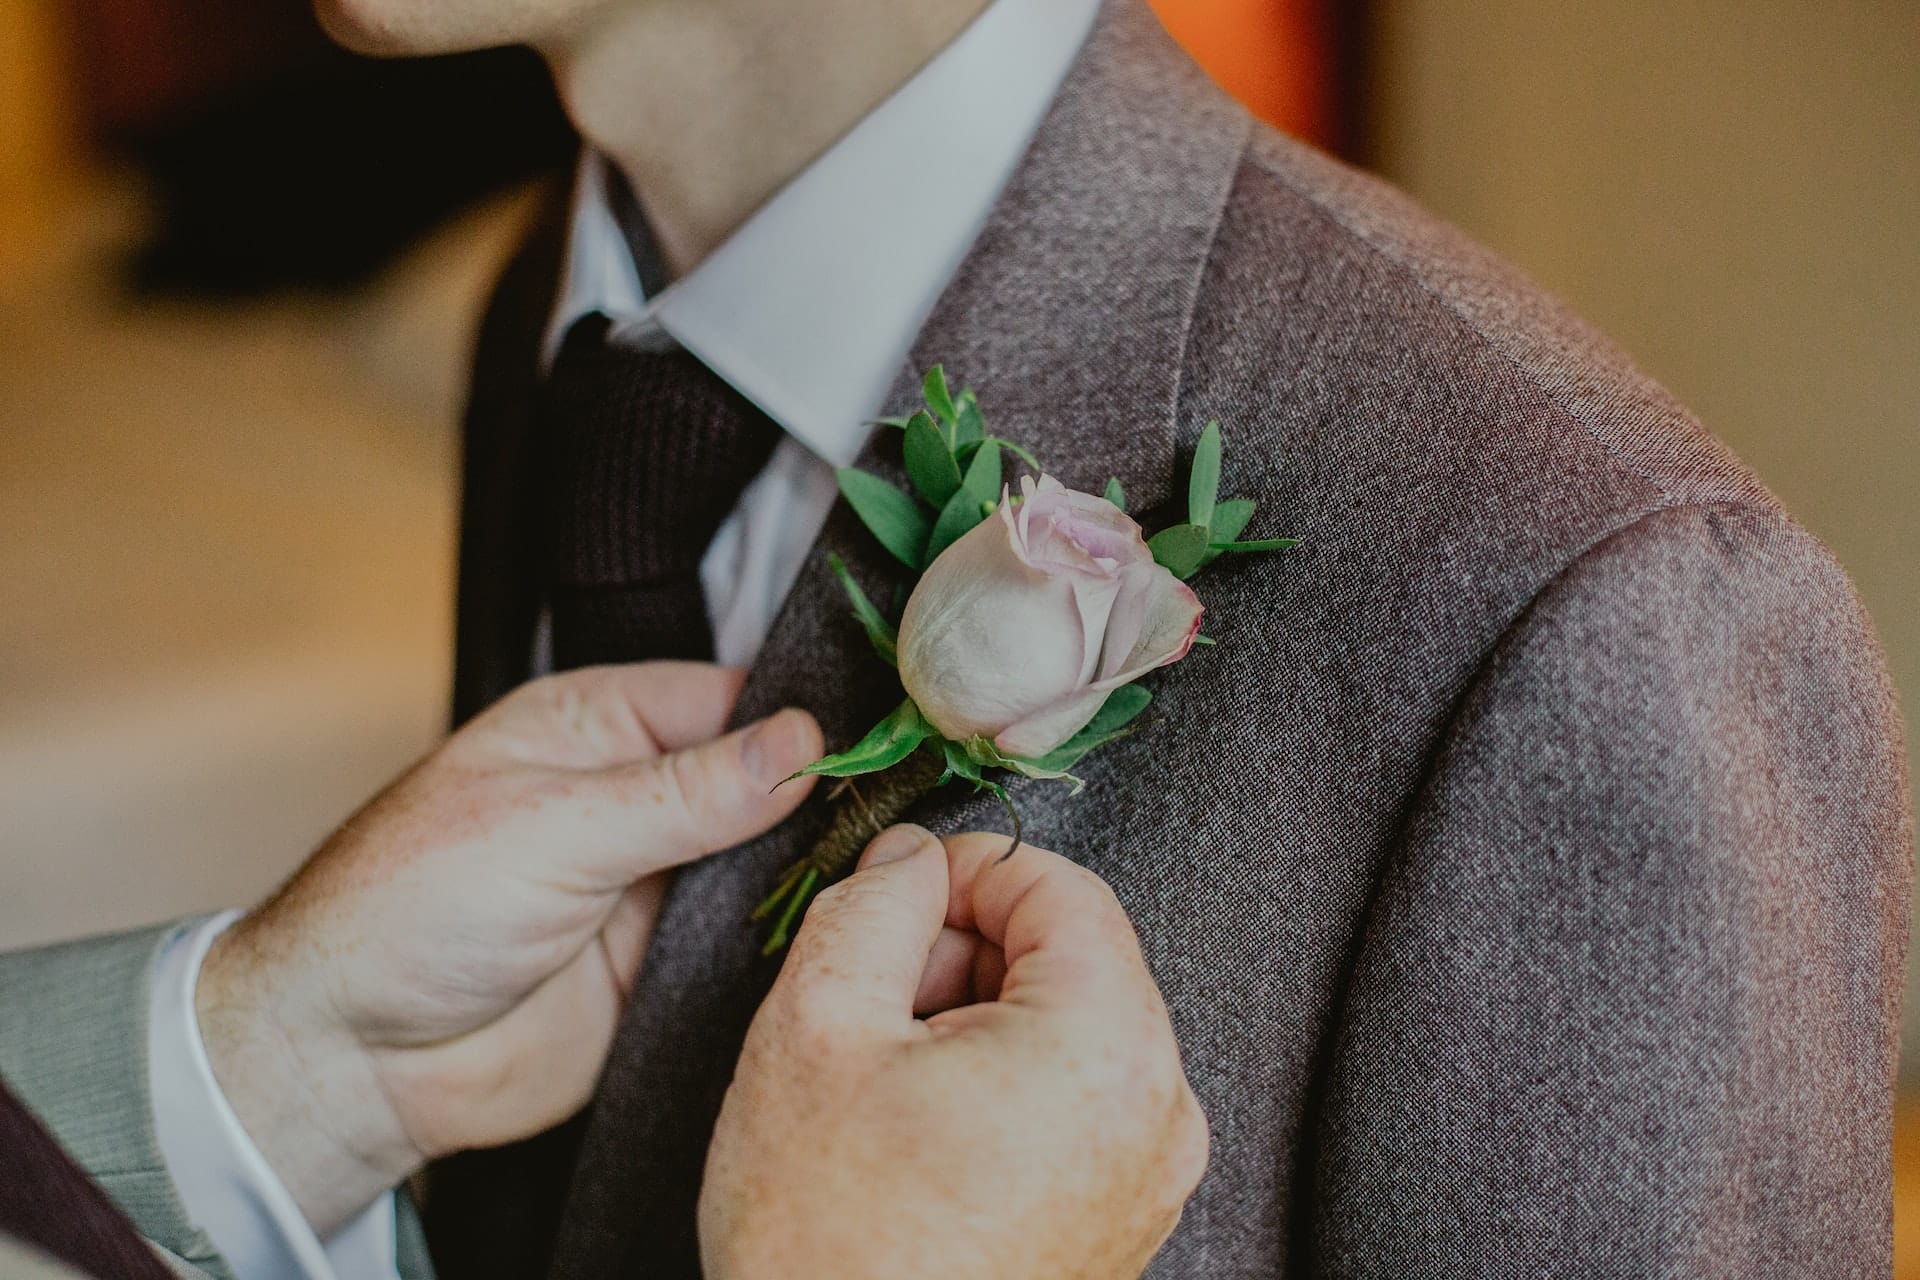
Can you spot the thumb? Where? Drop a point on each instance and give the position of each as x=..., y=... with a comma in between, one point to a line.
x=693, y=802
x=860, y=952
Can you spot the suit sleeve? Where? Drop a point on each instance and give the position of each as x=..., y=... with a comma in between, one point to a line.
x=1627, y=1000
x=74, y=1047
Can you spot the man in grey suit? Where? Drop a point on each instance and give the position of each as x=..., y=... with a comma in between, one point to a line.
x=1527, y=868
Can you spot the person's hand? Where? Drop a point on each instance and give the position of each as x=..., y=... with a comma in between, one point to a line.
x=448, y=970
x=1037, y=1125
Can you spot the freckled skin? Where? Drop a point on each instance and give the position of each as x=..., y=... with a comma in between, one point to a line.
x=447, y=970
x=1035, y=1126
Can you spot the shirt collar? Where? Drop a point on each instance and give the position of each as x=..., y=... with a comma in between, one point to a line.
x=810, y=308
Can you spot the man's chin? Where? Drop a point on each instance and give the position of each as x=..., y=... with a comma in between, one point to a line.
x=350, y=23
x=413, y=28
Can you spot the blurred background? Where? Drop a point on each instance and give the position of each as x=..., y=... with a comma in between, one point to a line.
x=239, y=271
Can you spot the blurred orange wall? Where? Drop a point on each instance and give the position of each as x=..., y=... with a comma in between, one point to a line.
x=34, y=145
x=1277, y=56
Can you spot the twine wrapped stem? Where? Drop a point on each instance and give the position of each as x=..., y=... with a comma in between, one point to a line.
x=862, y=808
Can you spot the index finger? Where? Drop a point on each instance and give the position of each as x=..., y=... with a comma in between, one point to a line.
x=595, y=717
x=1063, y=933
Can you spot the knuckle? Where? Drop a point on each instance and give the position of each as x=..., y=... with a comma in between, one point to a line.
x=863, y=897
x=560, y=694
x=854, y=904
x=539, y=690
x=832, y=899
x=1152, y=1080
x=1193, y=1144
x=1090, y=882
x=1102, y=905
x=1114, y=920
x=689, y=784
x=811, y=1019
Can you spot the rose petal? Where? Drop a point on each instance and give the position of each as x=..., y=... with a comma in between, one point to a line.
x=987, y=640
x=1167, y=619
x=1093, y=598
x=1049, y=536
x=1048, y=728
x=1020, y=514
x=1103, y=529
x=1065, y=526
x=1153, y=622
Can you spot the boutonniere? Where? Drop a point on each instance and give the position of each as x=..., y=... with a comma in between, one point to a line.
x=1032, y=611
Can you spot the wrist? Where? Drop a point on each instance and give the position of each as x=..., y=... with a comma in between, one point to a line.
x=299, y=1082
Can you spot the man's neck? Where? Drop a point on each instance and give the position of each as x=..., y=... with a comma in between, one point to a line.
x=710, y=106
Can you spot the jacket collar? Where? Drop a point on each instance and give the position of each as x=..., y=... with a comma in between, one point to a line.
x=1070, y=313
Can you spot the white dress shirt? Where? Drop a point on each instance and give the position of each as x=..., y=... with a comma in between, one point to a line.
x=809, y=310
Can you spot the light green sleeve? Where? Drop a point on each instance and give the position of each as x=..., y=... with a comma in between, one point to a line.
x=73, y=1047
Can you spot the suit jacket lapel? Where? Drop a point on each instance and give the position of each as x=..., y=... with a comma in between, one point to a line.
x=501, y=507
x=1070, y=315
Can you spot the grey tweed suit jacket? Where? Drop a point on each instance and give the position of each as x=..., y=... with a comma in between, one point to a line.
x=1526, y=870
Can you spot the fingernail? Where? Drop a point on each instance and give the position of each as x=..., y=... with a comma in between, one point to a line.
x=773, y=749
x=895, y=844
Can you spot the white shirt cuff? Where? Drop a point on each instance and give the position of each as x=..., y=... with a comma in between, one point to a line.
x=228, y=1188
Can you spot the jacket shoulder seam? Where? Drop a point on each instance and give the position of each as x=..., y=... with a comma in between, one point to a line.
x=1402, y=267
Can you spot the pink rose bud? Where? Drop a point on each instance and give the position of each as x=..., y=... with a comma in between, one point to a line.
x=1020, y=630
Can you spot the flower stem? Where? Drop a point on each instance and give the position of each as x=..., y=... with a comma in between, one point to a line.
x=874, y=825
x=858, y=816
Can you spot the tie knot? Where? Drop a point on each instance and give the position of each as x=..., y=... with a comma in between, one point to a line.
x=651, y=450
x=649, y=453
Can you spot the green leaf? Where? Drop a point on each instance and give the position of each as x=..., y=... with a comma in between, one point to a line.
x=978, y=492
x=939, y=398
x=961, y=513
x=1208, y=641
x=1122, y=707
x=960, y=764
x=930, y=463
x=886, y=744
x=1111, y=722
x=889, y=422
x=968, y=426
x=967, y=452
x=1230, y=516
x=1203, y=484
x=1115, y=494
x=881, y=632
x=984, y=478
x=1017, y=452
x=983, y=752
x=1258, y=544
x=1179, y=548
x=892, y=516
x=1042, y=774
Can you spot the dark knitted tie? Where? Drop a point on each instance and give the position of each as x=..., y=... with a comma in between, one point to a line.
x=649, y=453
x=46, y=1200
